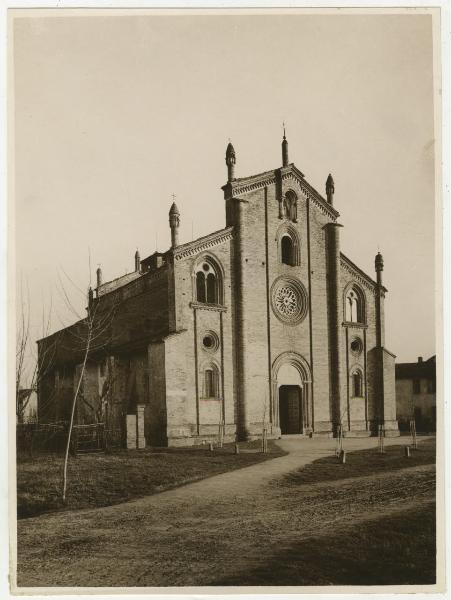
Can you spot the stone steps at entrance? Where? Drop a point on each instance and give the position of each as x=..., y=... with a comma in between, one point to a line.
x=357, y=434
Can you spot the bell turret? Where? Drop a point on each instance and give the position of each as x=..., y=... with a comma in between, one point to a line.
x=137, y=261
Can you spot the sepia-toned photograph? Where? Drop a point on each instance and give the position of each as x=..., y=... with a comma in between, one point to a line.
x=224, y=229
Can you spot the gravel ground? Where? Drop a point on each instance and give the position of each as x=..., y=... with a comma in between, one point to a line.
x=226, y=530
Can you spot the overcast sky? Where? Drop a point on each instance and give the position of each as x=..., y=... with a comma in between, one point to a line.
x=113, y=115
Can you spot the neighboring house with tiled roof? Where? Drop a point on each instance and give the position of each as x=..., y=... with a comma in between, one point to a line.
x=415, y=394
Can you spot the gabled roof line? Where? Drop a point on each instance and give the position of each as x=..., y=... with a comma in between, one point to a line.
x=359, y=271
x=259, y=180
x=202, y=243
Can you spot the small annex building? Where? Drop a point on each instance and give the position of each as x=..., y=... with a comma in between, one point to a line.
x=416, y=394
x=264, y=323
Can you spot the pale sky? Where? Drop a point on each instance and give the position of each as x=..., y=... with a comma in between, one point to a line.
x=116, y=114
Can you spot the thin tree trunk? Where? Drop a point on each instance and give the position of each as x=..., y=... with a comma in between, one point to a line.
x=88, y=344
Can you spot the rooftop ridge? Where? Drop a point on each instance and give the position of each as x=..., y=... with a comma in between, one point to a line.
x=109, y=286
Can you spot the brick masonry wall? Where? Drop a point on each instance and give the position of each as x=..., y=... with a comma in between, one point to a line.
x=363, y=412
x=196, y=415
x=130, y=316
x=142, y=315
x=156, y=413
x=388, y=375
x=181, y=414
x=260, y=222
x=320, y=330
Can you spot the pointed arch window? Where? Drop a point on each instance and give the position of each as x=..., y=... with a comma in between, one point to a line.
x=354, y=306
x=208, y=283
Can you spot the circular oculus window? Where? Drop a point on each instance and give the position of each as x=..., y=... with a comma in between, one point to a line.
x=210, y=341
x=289, y=300
x=356, y=346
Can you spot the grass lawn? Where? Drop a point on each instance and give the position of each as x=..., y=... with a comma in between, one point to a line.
x=96, y=480
x=362, y=463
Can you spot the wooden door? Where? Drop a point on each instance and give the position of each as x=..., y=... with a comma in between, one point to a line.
x=290, y=411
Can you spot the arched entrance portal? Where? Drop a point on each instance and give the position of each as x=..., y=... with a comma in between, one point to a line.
x=293, y=411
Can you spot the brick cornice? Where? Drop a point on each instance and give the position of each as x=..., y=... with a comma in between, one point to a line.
x=310, y=193
x=360, y=275
x=255, y=182
x=213, y=307
x=353, y=325
x=204, y=243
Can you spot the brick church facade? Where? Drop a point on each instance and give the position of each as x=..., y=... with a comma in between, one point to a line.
x=263, y=324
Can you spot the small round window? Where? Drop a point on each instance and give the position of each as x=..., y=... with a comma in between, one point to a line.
x=356, y=345
x=210, y=341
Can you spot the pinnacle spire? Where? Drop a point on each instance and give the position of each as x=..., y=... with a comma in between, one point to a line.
x=330, y=189
x=174, y=209
x=230, y=161
x=174, y=223
x=285, y=160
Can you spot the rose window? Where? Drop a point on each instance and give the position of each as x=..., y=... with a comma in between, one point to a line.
x=286, y=300
x=289, y=300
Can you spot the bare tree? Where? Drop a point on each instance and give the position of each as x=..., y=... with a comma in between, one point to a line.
x=88, y=335
x=26, y=356
x=264, y=446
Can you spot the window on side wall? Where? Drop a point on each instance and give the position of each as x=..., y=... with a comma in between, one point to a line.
x=357, y=385
x=211, y=382
x=208, y=283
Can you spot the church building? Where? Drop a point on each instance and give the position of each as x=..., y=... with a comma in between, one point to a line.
x=263, y=324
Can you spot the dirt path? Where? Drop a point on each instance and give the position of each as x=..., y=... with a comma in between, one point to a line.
x=209, y=530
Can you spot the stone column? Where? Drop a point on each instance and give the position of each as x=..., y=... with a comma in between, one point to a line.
x=335, y=319
x=240, y=322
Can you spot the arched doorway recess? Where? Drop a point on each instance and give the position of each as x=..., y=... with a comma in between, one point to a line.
x=292, y=394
